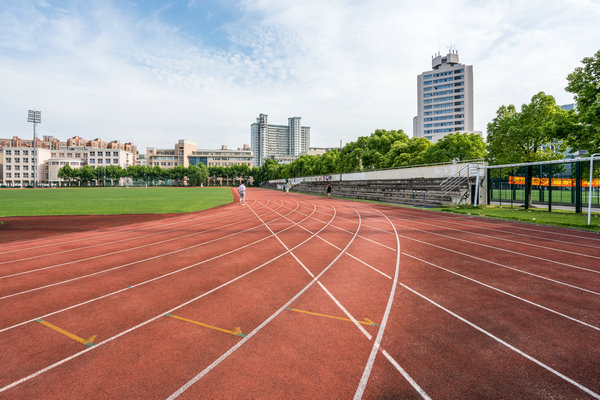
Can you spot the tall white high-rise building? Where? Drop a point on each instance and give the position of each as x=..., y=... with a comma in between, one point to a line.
x=275, y=141
x=444, y=98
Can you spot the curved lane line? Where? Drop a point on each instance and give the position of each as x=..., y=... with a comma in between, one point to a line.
x=133, y=286
x=190, y=221
x=108, y=232
x=367, y=371
x=111, y=253
x=142, y=260
x=170, y=311
x=215, y=363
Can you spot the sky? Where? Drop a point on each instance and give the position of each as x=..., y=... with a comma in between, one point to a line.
x=153, y=72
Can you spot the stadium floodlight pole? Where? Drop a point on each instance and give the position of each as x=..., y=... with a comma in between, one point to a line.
x=34, y=117
x=590, y=193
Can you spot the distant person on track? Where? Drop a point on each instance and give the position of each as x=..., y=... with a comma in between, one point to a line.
x=242, y=192
x=328, y=190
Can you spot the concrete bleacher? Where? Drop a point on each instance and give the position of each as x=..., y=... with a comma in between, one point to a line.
x=422, y=192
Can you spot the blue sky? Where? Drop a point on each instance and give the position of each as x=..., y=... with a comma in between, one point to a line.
x=153, y=72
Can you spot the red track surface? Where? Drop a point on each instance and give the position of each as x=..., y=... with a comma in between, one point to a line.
x=294, y=296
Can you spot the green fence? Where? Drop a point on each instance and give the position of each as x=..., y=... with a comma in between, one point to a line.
x=552, y=184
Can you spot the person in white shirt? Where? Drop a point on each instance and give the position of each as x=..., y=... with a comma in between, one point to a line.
x=242, y=192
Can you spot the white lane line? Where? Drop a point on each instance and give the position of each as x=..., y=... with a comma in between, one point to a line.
x=331, y=296
x=483, y=225
x=100, y=344
x=347, y=231
x=503, y=266
x=135, y=285
x=215, y=363
x=494, y=263
x=141, y=260
x=504, y=292
x=394, y=363
x=406, y=376
x=191, y=223
x=506, y=344
x=503, y=249
x=102, y=255
x=367, y=371
x=108, y=232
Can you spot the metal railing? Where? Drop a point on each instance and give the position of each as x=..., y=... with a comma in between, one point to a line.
x=460, y=178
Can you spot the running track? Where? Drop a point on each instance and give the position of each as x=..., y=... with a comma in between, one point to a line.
x=296, y=296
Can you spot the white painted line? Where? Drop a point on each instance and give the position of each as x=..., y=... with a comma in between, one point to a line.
x=503, y=249
x=190, y=222
x=105, y=254
x=504, y=266
x=141, y=260
x=136, y=285
x=505, y=292
x=215, y=363
x=406, y=376
x=367, y=371
x=100, y=344
x=508, y=345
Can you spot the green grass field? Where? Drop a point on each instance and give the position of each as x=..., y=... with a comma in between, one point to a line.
x=555, y=218
x=102, y=201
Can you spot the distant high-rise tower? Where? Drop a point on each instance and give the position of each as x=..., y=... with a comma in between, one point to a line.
x=269, y=141
x=444, y=98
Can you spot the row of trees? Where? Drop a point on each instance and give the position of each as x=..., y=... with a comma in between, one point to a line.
x=111, y=173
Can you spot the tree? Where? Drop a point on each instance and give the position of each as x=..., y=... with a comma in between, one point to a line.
x=66, y=173
x=456, y=146
x=407, y=152
x=584, y=82
x=526, y=136
x=197, y=174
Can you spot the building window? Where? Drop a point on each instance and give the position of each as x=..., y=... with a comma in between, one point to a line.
x=8, y=175
x=17, y=160
x=100, y=154
x=8, y=167
x=17, y=153
x=78, y=155
x=70, y=155
x=92, y=161
x=115, y=161
x=92, y=153
x=25, y=175
x=115, y=153
x=107, y=161
x=25, y=153
x=25, y=167
x=8, y=160
x=17, y=175
x=8, y=152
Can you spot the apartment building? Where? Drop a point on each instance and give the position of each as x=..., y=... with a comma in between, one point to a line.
x=444, y=98
x=278, y=141
x=21, y=167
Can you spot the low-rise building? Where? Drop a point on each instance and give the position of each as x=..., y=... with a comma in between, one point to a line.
x=169, y=158
x=222, y=157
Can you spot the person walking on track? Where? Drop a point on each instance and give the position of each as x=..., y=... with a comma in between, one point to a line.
x=329, y=190
x=242, y=192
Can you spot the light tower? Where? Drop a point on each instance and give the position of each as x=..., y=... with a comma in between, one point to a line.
x=34, y=117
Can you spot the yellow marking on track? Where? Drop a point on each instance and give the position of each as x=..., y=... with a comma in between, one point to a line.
x=365, y=321
x=88, y=342
x=237, y=331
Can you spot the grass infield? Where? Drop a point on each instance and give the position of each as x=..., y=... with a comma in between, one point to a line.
x=105, y=201
x=560, y=218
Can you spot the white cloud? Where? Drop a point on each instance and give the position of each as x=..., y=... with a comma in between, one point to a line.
x=346, y=67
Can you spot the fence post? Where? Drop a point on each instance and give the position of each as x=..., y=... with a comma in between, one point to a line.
x=550, y=188
x=578, y=178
